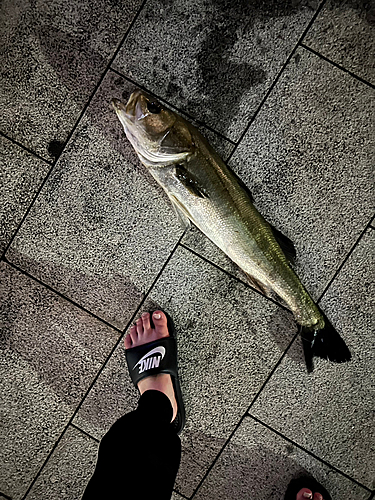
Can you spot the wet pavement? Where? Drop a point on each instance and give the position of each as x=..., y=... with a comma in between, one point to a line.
x=284, y=90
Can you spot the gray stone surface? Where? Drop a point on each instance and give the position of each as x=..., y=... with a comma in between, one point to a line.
x=345, y=33
x=214, y=59
x=50, y=354
x=229, y=338
x=82, y=236
x=20, y=177
x=68, y=470
x=112, y=396
x=337, y=399
x=101, y=228
x=52, y=58
x=259, y=464
x=176, y=496
x=308, y=161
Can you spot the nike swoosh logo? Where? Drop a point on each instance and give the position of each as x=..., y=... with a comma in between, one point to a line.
x=159, y=350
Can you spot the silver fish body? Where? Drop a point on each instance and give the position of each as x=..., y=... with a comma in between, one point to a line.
x=206, y=192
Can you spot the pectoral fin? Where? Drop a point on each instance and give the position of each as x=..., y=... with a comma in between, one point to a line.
x=180, y=211
x=190, y=182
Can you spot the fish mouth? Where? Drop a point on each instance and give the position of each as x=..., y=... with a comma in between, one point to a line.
x=121, y=110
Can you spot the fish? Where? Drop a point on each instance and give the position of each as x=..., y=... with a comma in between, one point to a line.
x=206, y=192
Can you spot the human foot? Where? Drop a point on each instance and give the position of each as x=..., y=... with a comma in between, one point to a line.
x=141, y=333
x=305, y=494
x=306, y=487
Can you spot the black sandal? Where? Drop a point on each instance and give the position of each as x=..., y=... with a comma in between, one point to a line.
x=159, y=356
x=305, y=482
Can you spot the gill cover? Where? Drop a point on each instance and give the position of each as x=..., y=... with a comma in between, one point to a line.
x=159, y=136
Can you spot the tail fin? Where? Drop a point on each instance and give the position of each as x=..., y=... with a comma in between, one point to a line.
x=325, y=343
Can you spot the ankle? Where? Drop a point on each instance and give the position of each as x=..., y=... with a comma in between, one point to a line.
x=162, y=383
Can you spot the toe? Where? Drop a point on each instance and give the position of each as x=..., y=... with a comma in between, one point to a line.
x=304, y=494
x=133, y=334
x=318, y=496
x=128, y=341
x=146, y=322
x=139, y=326
x=160, y=322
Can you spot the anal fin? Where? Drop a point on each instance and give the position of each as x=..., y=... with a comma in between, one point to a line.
x=258, y=285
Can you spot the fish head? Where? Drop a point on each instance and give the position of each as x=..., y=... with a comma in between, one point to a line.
x=159, y=136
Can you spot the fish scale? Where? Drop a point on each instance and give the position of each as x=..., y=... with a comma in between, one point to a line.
x=206, y=192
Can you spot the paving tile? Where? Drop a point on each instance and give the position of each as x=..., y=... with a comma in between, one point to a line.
x=229, y=339
x=52, y=58
x=50, y=354
x=68, y=470
x=338, y=399
x=257, y=463
x=20, y=177
x=112, y=396
x=214, y=59
x=345, y=33
x=307, y=159
x=176, y=496
x=101, y=228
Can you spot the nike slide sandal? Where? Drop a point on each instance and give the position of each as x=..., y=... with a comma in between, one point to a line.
x=305, y=482
x=159, y=356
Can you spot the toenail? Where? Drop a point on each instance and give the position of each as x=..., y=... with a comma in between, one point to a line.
x=144, y=314
x=157, y=316
x=307, y=495
x=319, y=496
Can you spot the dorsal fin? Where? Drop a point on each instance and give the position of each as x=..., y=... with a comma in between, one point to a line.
x=258, y=285
x=243, y=186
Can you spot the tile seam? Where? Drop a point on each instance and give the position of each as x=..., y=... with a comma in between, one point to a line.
x=59, y=294
x=70, y=422
x=272, y=372
x=77, y=122
x=228, y=273
x=25, y=148
x=83, y=432
x=346, y=258
x=101, y=78
x=173, y=106
x=181, y=494
x=316, y=457
x=338, y=66
x=217, y=457
x=277, y=78
x=246, y=414
x=5, y=496
x=27, y=211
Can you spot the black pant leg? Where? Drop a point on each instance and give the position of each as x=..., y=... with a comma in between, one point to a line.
x=140, y=454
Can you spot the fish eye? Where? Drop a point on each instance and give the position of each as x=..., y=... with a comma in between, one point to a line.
x=153, y=108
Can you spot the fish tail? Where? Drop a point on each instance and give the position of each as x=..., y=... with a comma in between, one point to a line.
x=325, y=343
